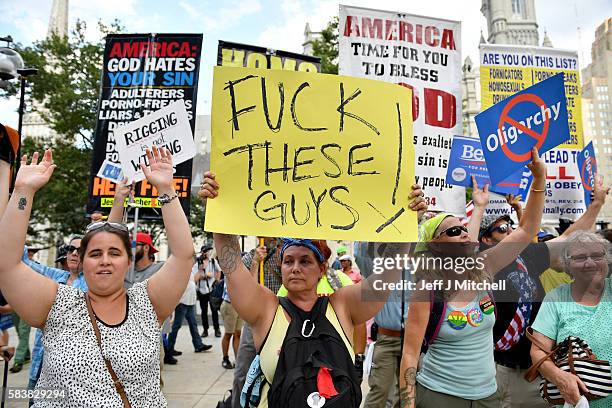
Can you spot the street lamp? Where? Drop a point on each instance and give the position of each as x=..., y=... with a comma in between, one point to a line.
x=10, y=62
x=23, y=74
x=11, y=67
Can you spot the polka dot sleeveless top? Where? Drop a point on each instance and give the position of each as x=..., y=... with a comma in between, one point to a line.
x=73, y=360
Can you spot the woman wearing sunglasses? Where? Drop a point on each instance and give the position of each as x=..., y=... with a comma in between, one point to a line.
x=102, y=348
x=303, y=262
x=456, y=323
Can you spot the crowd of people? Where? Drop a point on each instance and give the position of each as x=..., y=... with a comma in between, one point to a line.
x=314, y=328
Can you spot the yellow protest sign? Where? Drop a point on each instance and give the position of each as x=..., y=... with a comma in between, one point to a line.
x=506, y=70
x=308, y=155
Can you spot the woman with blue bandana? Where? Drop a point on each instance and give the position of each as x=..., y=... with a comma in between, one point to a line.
x=287, y=330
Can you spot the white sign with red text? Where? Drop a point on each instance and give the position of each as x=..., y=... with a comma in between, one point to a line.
x=424, y=54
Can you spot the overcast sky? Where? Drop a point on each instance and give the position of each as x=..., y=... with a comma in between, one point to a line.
x=280, y=24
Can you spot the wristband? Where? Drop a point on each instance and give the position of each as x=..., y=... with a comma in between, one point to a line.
x=165, y=198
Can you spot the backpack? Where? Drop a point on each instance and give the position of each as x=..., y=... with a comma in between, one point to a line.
x=216, y=294
x=314, y=367
x=437, y=311
x=226, y=402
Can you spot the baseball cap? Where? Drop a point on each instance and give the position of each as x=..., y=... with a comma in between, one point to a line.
x=144, y=238
x=205, y=248
x=345, y=258
x=488, y=220
x=340, y=249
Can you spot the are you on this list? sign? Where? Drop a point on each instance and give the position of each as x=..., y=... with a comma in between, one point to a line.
x=309, y=155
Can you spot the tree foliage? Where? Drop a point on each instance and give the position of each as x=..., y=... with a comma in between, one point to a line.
x=68, y=81
x=67, y=87
x=59, y=207
x=326, y=47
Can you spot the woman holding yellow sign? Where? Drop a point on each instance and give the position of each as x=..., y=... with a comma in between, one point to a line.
x=315, y=365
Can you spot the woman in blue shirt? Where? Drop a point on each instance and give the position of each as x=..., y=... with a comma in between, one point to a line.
x=581, y=309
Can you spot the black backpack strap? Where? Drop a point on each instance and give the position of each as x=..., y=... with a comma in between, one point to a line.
x=299, y=315
x=490, y=293
x=437, y=309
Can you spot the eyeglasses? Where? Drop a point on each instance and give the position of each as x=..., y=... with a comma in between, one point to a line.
x=502, y=229
x=598, y=257
x=454, y=231
x=106, y=224
x=71, y=248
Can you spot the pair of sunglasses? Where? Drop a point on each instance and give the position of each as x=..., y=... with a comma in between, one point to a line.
x=108, y=225
x=454, y=231
x=71, y=248
x=502, y=229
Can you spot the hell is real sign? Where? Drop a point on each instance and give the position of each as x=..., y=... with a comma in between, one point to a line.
x=141, y=74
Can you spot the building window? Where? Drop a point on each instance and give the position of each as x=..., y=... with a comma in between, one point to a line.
x=518, y=9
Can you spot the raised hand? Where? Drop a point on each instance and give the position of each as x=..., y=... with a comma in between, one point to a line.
x=33, y=176
x=209, y=187
x=514, y=200
x=480, y=197
x=159, y=171
x=600, y=192
x=537, y=165
x=416, y=201
x=123, y=189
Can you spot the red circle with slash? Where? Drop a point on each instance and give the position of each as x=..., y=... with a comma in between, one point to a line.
x=505, y=118
x=593, y=162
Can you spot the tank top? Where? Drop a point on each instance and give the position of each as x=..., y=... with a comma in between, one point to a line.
x=271, y=347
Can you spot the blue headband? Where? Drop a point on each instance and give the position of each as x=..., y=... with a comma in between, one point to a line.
x=289, y=242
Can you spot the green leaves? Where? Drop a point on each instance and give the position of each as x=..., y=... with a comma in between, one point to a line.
x=326, y=47
x=68, y=81
x=67, y=86
x=59, y=207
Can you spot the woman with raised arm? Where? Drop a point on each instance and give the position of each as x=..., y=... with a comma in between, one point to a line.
x=101, y=349
x=303, y=344
x=453, y=323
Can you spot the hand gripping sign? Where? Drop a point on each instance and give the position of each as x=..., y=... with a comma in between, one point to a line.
x=587, y=164
x=536, y=116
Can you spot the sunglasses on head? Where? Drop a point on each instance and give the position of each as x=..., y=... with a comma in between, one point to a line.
x=106, y=224
x=502, y=229
x=454, y=231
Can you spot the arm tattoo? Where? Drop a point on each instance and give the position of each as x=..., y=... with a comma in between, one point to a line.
x=22, y=203
x=230, y=256
x=408, y=393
